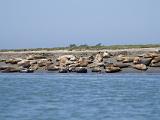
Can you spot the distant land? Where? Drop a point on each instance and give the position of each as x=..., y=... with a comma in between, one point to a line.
x=86, y=47
x=82, y=59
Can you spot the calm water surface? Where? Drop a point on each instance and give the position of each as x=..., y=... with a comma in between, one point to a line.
x=80, y=96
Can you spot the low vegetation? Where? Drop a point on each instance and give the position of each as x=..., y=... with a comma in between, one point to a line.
x=86, y=47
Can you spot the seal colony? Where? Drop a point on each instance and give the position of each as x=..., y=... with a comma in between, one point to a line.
x=105, y=61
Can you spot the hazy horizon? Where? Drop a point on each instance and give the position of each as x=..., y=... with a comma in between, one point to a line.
x=57, y=23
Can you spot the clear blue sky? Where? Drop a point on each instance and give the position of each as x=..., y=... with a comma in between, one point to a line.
x=51, y=23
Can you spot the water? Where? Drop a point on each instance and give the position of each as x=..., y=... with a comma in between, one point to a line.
x=80, y=96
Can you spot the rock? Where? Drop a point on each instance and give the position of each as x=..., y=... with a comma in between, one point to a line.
x=52, y=68
x=106, y=55
x=140, y=67
x=81, y=70
x=98, y=58
x=96, y=69
x=35, y=57
x=10, y=69
x=26, y=71
x=121, y=65
x=24, y=63
x=112, y=69
x=63, y=70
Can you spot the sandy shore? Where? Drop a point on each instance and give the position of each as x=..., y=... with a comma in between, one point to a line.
x=134, y=51
x=53, y=55
x=88, y=51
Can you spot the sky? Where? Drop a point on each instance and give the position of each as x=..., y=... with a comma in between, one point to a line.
x=56, y=23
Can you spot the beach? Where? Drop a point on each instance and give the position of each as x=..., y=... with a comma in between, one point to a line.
x=65, y=61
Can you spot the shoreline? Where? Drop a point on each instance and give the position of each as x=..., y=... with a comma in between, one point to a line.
x=79, y=51
x=87, y=61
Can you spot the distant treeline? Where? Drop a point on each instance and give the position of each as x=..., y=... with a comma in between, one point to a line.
x=86, y=47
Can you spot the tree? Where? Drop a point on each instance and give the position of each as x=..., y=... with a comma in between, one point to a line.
x=72, y=45
x=85, y=45
x=99, y=44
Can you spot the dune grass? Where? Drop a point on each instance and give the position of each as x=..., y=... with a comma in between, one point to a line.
x=85, y=47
